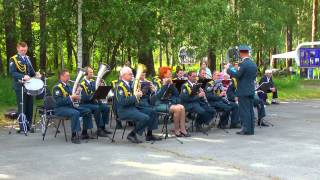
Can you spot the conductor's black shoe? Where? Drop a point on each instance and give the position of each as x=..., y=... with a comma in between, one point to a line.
x=243, y=133
x=235, y=126
x=153, y=138
x=75, y=140
x=262, y=124
x=133, y=138
x=102, y=133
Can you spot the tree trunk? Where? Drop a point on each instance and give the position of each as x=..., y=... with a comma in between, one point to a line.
x=167, y=55
x=113, y=62
x=160, y=53
x=288, y=45
x=10, y=29
x=129, y=55
x=86, y=44
x=275, y=64
x=212, y=59
x=79, y=35
x=26, y=18
x=145, y=56
x=55, y=51
x=43, y=35
x=314, y=20
x=1, y=63
x=69, y=48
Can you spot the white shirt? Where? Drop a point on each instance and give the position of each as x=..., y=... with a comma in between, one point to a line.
x=127, y=83
x=190, y=83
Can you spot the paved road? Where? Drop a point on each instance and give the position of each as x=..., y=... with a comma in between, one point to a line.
x=289, y=150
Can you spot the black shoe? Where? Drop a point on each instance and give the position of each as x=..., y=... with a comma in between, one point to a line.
x=243, y=133
x=235, y=126
x=133, y=138
x=87, y=136
x=153, y=138
x=102, y=133
x=275, y=102
x=107, y=132
x=261, y=123
x=75, y=140
x=178, y=135
x=185, y=135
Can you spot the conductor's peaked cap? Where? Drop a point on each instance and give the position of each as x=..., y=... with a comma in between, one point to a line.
x=244, y=48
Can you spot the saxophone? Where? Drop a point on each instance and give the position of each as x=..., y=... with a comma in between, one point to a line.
x=137, y=85
x=77, y=88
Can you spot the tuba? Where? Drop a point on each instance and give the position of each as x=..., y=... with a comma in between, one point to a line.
x=76, y=86
x=103, y=69
x=137, y=85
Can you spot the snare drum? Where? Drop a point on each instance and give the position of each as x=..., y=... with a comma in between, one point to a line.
x=34, y=86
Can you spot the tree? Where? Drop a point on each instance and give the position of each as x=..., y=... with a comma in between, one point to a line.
x=79, y=35
x=26, y=18
x=43, y=34
x=314, y=20
x=10, y=29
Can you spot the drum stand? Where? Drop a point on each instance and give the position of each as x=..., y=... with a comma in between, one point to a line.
x=22, y=119
x=43, y=118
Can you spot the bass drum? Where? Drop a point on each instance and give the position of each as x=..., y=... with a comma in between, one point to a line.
x=34, y=87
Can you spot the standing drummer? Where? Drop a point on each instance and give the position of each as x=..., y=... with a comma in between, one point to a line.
x=21, y=69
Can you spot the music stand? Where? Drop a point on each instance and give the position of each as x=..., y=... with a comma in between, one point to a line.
x=101, y=93
x=178, y=84
x=265, y=86
x=204, y=82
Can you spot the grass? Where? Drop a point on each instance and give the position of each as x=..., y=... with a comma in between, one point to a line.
x=294, y=88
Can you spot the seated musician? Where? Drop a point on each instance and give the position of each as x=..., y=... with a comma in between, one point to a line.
x=202, y=74
x=258, y=103
x=65, y=107
x=145, y=106
x=180, y=75
x=267, y=78
x=98, y=109
x=194, y=100
x=126, y=107
x=171, y=102
x=217, y=98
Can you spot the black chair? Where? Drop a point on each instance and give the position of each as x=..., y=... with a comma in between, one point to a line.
x=48, y=116
x=115, y=113
x=166, y=117
x=192, y=116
